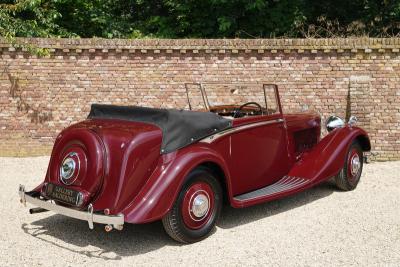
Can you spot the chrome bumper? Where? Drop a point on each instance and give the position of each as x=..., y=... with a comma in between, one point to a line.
x=117, y=221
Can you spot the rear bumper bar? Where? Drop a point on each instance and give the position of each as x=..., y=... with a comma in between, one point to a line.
x=117, y=221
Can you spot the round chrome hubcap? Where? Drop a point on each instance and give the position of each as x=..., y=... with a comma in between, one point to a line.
x=355, y=165
x=200, y=205
x=67, y=168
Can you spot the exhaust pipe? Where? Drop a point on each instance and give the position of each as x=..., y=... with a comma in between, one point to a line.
x=37, y=210
x=108, y=228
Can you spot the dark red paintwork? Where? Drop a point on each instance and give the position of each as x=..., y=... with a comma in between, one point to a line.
x=115, y=155
x=122, y=169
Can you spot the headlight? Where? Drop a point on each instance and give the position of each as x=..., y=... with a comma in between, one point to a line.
x=333, y=122
x=69, y=168
x=352, y=121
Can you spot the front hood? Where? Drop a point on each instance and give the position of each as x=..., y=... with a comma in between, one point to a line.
x=116, y=158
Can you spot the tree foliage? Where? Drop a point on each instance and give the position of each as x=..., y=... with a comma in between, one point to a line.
x=199, y=18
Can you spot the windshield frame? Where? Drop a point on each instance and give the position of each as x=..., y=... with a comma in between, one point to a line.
x=206, y=102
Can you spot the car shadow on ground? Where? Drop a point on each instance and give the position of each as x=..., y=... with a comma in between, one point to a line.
x=74, y=235
x=232, y=217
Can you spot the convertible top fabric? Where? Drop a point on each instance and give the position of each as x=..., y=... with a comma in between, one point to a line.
x=179, y=127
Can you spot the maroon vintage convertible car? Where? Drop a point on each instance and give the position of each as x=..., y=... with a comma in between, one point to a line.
x=137, y=165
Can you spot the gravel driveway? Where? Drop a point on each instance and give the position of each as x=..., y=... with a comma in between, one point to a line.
x=319, y=227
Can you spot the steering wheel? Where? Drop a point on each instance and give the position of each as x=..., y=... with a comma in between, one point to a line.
x=239, y=110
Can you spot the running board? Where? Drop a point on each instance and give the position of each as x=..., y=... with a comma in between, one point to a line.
x=286, y=184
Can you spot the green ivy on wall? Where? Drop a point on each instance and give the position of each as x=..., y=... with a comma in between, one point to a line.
x=199, y=19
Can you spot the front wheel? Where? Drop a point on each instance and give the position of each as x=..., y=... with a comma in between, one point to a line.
x=197, y=208
x=349, y=176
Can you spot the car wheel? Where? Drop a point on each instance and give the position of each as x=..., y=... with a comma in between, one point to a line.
x=349, y=176
x=197, y=208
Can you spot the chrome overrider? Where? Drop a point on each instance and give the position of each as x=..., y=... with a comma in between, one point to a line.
x=111, y=221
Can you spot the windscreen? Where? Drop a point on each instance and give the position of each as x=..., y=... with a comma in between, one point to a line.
x=214, y=94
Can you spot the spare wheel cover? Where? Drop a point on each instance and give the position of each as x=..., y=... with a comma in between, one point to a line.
x=88, y=153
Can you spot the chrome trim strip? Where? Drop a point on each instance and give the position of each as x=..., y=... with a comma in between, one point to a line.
x=214, y=137
x=89, y=216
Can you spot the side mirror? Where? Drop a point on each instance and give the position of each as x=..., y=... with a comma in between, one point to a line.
x=333, y=122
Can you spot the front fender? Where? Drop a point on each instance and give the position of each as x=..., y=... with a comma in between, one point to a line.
x=327, y=158
x=159, y=193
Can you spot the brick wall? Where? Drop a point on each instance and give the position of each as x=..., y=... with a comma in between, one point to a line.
x=41, y=95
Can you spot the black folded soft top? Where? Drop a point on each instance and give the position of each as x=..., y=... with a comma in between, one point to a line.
x=179, y=127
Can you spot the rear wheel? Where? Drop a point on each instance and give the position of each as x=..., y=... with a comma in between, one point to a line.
x=196, y=209
x=349, y=176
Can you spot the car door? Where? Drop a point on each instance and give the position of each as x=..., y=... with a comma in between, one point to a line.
x=259, y=152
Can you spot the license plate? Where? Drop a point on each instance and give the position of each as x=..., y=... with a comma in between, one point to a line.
x=62, y=194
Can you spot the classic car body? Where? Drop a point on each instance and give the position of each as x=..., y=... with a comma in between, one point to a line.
x=138, y=165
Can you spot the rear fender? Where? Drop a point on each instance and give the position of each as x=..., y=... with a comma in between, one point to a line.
x=159, y=193
x=327, y=158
